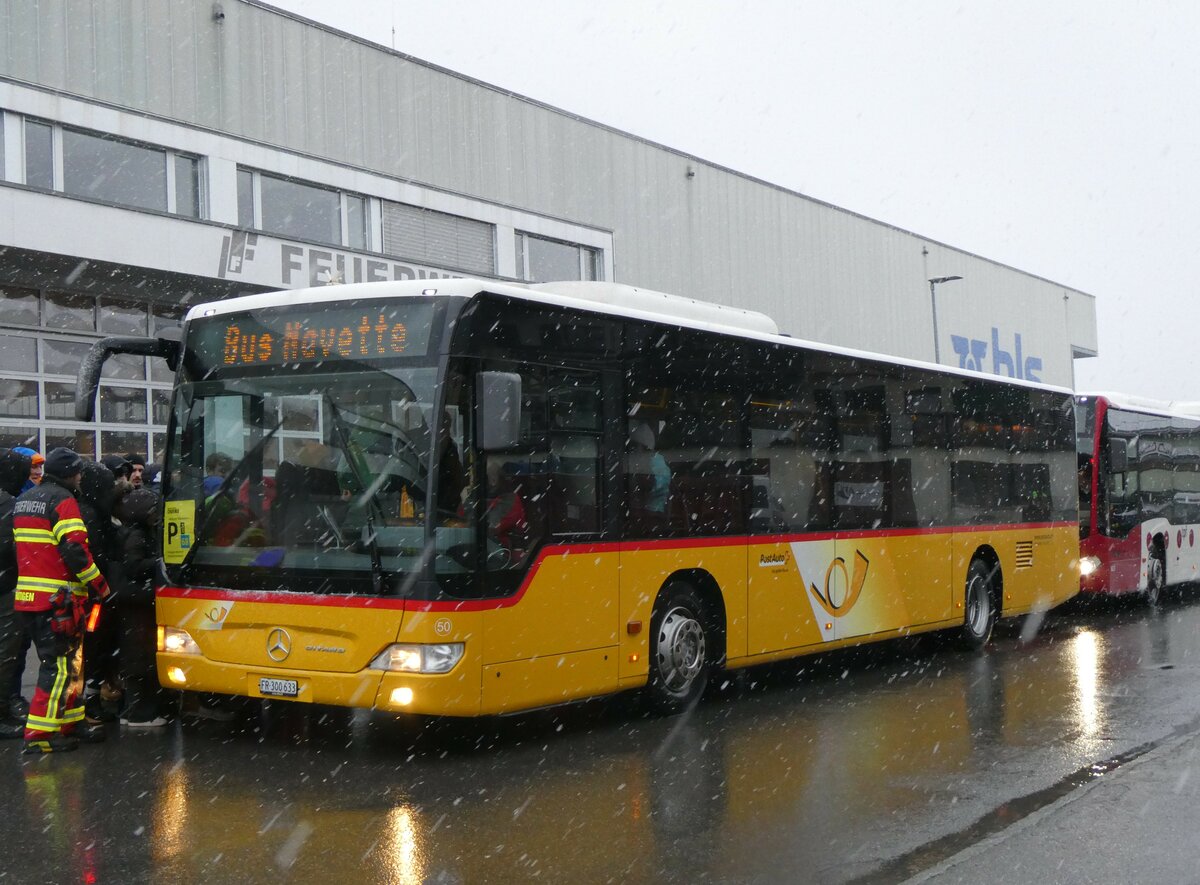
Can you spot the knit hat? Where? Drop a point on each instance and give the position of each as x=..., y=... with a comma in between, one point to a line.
x=63, y=463
x=34, y=456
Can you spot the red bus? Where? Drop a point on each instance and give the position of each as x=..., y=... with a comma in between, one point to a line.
x=1139, y=495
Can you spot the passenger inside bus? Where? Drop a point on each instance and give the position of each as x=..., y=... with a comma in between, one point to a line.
x=506, y=520
x=649, y=482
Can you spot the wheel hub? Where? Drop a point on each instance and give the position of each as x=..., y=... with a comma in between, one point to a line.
x=680, y=649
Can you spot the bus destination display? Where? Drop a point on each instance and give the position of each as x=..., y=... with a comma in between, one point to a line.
x=314, y=334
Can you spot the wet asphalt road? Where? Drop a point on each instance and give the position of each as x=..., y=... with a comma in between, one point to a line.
x=866, y=766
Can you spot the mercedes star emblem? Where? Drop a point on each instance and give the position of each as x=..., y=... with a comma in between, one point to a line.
x=279, y=644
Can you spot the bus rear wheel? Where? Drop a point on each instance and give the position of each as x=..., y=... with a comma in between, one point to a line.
x=1156, y=577
x=980, y=606
x=679, y=656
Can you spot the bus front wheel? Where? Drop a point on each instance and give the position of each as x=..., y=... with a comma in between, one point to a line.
x=679, y=659
x=980, y=605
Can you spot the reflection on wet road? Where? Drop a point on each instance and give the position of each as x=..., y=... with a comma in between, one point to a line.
x=868, y=765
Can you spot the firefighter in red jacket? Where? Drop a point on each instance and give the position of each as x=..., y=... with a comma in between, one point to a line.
x=55, y=573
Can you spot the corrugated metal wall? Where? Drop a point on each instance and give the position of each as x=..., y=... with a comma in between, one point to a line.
x=821, y=272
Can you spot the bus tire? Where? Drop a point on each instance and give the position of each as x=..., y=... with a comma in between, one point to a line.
x=1156, y=576
x=979, y=605
x=679, y=651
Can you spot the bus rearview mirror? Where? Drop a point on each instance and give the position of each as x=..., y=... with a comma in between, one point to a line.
x=498, y=410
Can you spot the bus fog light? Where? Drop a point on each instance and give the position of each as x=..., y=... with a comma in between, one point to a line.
x=437, y=658
x=176, y=641
x=402, y=697
x=1088, y=565
x=175, y=674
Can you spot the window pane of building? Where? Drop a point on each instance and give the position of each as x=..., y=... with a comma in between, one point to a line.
x=60, y=400
x=591, y=264
x=160, y=404
x=438, y=238
x=13, y=435
x=80, y=439
x=114, y=171
x=302, y=211
x=19, y=306
x=119, y=317
x=117, y=442
x=356, y=221
x=163, y=316
x=18, y=354
x=123, y=405
x=125, y=366
x=39, y=155
x=187, y=186
x=73, y=312
x=245, y=186
x=63, y=357
x=18, y=398
x=550, y=260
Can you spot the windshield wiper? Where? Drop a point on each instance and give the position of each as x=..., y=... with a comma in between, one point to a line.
x=339, y=427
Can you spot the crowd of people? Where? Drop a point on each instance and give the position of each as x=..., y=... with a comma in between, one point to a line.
x=77, y=551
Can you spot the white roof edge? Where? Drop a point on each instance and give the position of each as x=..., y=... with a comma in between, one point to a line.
x=549, y=293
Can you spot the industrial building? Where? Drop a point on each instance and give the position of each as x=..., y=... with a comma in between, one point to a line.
x=153, y=155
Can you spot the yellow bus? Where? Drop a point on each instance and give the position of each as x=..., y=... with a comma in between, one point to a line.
x=463, y=497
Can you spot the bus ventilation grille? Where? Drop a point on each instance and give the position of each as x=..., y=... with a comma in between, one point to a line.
x=1024, y=554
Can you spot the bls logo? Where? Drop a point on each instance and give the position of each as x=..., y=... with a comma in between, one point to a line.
x=972, y=352
x=836, y=599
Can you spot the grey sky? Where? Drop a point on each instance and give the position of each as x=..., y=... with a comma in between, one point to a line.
x=1060, y=138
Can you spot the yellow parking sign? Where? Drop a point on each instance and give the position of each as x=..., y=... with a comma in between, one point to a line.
x=179, y=523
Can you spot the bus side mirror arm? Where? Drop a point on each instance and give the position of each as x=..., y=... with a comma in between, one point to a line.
x=498, y=410
x=166, y=345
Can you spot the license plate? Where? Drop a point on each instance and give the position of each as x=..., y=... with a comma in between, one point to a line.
x=283, y=688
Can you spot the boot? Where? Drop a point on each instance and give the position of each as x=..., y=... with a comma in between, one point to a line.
x=52, y=743
x=11, y=728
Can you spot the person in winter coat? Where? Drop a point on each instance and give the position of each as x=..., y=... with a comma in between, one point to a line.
x=12, y=690
x=99, y=490
x=146, y=702
x=14, y=471
x=55, y=575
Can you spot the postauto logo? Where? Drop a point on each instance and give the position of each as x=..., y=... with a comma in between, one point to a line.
x=973, y=355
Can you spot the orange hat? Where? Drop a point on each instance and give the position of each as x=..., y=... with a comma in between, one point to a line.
x=38, y=458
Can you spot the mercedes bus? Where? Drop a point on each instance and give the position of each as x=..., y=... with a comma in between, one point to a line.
x=463, y=497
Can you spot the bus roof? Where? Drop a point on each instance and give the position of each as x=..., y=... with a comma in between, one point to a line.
x=1132, y=403
x=614, y=299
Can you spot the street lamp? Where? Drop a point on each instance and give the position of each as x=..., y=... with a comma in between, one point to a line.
x=933, y=284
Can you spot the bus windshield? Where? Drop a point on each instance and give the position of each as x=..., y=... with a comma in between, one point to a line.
x=315, y=481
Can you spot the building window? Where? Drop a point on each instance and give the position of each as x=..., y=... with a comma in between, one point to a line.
x=245, y=194
x=98, y=166
x=540, y=260
x=39, y=154
x=44, y=335
x=301, y=210
x=439, y=238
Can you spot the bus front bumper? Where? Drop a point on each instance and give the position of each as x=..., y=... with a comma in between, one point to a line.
x=451, y=694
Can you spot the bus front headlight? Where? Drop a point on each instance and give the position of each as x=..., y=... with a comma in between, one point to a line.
x=176, y=641
x=435, y=658
x=1088, y=565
